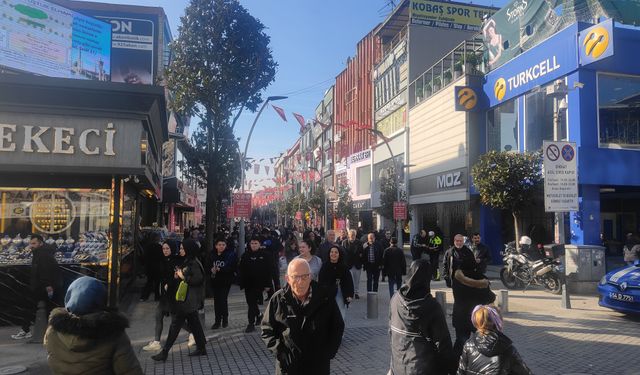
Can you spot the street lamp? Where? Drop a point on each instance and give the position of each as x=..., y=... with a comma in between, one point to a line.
x=241, y=242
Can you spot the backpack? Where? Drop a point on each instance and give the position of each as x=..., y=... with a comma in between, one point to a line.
x=448, y=263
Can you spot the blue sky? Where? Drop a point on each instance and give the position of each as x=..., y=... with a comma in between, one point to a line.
x=311, y=41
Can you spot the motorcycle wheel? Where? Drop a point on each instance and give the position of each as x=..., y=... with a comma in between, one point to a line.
x=552, y=283
x=509, y=281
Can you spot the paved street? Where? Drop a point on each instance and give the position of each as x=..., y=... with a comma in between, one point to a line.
x=584, y=340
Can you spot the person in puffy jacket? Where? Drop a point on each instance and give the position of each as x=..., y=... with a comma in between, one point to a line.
x=489, y=351
x=86, y=338
x=420, y=340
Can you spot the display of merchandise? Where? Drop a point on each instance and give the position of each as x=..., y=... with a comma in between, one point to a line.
x=91, y=247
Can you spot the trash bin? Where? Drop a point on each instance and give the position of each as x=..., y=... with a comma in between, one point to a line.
x=584, y=267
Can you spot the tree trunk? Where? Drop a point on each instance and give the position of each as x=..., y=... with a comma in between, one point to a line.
x=212, y=203
x=516, y=228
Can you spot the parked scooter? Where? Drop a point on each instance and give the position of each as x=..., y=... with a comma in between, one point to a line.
x=529, y=267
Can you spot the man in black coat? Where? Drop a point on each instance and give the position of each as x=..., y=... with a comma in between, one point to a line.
x=302, y=324
x=256, y=270
x=467, y=292
x=420, y=341
x=372, y=261
x=481, y=252
x=46, y=282
x=354, y=258
x=394, y=265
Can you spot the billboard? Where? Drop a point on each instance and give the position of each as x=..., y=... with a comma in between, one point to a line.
x=43, y=38
x=523, y=24
x=449, y=15
x=133, y=49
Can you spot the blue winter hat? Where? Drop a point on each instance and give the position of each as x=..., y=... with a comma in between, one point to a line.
x=85, y=295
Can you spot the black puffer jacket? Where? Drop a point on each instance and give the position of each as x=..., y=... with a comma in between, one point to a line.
x=303, y=338
x=420, y=341
x=491, y=354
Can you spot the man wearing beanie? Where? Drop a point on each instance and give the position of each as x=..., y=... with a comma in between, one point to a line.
x=85, y=338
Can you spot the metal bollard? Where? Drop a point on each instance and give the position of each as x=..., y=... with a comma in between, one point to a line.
x=441, y=297
x=40, y=325
x=372, y=305
x=566, y=298
x=502, y=301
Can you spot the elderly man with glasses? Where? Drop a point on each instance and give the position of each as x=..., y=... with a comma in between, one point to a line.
x=302, y=324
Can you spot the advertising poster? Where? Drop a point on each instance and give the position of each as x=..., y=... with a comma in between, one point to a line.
x=46, y=39
x=132, y=52
x=449, y=15
x=523, y=24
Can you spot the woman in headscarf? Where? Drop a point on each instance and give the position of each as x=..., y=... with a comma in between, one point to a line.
x=190, y=272
x=166, y=272
x=420, y=341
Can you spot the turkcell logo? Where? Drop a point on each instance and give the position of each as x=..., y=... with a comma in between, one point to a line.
x=596, y=42
x=522, y=78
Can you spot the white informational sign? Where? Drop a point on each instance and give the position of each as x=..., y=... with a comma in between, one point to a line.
x=560, y=176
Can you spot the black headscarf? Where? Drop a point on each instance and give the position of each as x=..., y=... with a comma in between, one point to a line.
x=191, y=249
x=418, y=281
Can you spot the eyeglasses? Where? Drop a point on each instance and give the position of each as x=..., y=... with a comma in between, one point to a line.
x=304, y=277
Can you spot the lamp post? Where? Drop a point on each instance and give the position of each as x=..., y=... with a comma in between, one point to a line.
x=241, y=243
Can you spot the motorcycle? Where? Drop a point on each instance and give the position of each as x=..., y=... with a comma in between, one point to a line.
x=519, y=271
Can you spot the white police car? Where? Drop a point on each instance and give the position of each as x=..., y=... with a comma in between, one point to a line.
x=620, y=289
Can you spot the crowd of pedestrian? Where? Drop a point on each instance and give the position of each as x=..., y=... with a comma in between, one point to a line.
x=308, y=279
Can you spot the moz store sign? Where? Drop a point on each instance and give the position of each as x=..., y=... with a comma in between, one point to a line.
x=55, y=141
x=449, y=180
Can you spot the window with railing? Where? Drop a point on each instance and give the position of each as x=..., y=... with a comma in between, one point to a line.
x=466, y=58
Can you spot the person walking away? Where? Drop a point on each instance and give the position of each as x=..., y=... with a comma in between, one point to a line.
x=45, y=283
x=302, y=325
x=223, y=269
x=420, y=245
x=152, y=265
x=304, y=247
x=481, y=252
x=336, y=278
x=191, y=272
x=330, y=241
x=394, y=265
x=385, y=243
x=166, y=280
x=489, y=351
x=372, y=262
x=434, y=248
x=355, y=258
x=86, y=338
x=291, y=249
x=255, y=278
x=420, y=341
x=467, y=292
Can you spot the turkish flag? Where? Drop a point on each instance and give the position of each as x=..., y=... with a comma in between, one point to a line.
x=280, y=111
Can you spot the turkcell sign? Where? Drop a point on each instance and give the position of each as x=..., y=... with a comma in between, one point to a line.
x=552, y=59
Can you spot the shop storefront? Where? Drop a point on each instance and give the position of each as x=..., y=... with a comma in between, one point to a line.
x=359, y=180
x=79, y=166
x=581, y=85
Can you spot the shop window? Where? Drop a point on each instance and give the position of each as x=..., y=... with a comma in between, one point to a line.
x=75, y=222
x=619, y=111
x=545, y=118
x=502, y=127
x=363, y=175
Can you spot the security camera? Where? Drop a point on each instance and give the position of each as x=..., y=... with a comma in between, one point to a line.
x=578, y=85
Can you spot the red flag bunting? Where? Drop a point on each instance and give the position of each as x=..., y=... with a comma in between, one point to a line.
x=280, y=112
x=300, y=119
x=266, y=169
